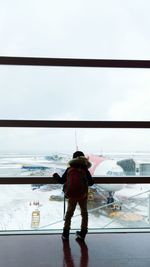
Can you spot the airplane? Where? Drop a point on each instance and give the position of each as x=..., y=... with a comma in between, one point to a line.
x=101, y=166
x=104, y=166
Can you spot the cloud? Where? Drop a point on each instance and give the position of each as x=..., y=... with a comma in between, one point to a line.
x=135, y=104
x=86, y=29
x=80, y=29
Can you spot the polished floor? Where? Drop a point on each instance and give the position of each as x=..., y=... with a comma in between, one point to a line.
x=99, y=250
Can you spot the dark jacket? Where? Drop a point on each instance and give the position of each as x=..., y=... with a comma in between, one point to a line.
x=80, y=162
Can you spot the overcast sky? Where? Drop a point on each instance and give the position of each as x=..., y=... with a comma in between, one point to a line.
x=74, y=29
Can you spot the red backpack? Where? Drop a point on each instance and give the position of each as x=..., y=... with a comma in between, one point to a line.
x=76, y=185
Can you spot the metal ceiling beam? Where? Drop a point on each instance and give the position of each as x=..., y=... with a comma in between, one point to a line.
x=74, y=62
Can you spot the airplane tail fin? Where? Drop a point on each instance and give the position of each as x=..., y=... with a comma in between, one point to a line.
x=95, y=160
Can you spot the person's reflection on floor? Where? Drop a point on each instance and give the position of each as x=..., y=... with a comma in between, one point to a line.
x=84, y=253
x=69, y=260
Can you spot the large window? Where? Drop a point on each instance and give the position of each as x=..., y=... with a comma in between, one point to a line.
x=69, y=93
x=107, y=29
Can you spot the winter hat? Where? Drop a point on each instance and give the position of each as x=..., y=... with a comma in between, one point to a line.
x=78, y=154
x=79, y=159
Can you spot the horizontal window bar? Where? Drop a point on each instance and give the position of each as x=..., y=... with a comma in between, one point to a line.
x=97, y=180
x=74, y=62
x=74, y=124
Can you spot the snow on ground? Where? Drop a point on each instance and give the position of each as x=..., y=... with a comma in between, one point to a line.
x=17, y=205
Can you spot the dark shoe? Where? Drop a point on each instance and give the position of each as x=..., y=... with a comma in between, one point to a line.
x=65, y=235
x=81, y=234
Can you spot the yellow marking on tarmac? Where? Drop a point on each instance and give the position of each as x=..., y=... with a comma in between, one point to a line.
x=127, y=216
x=132, y=217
